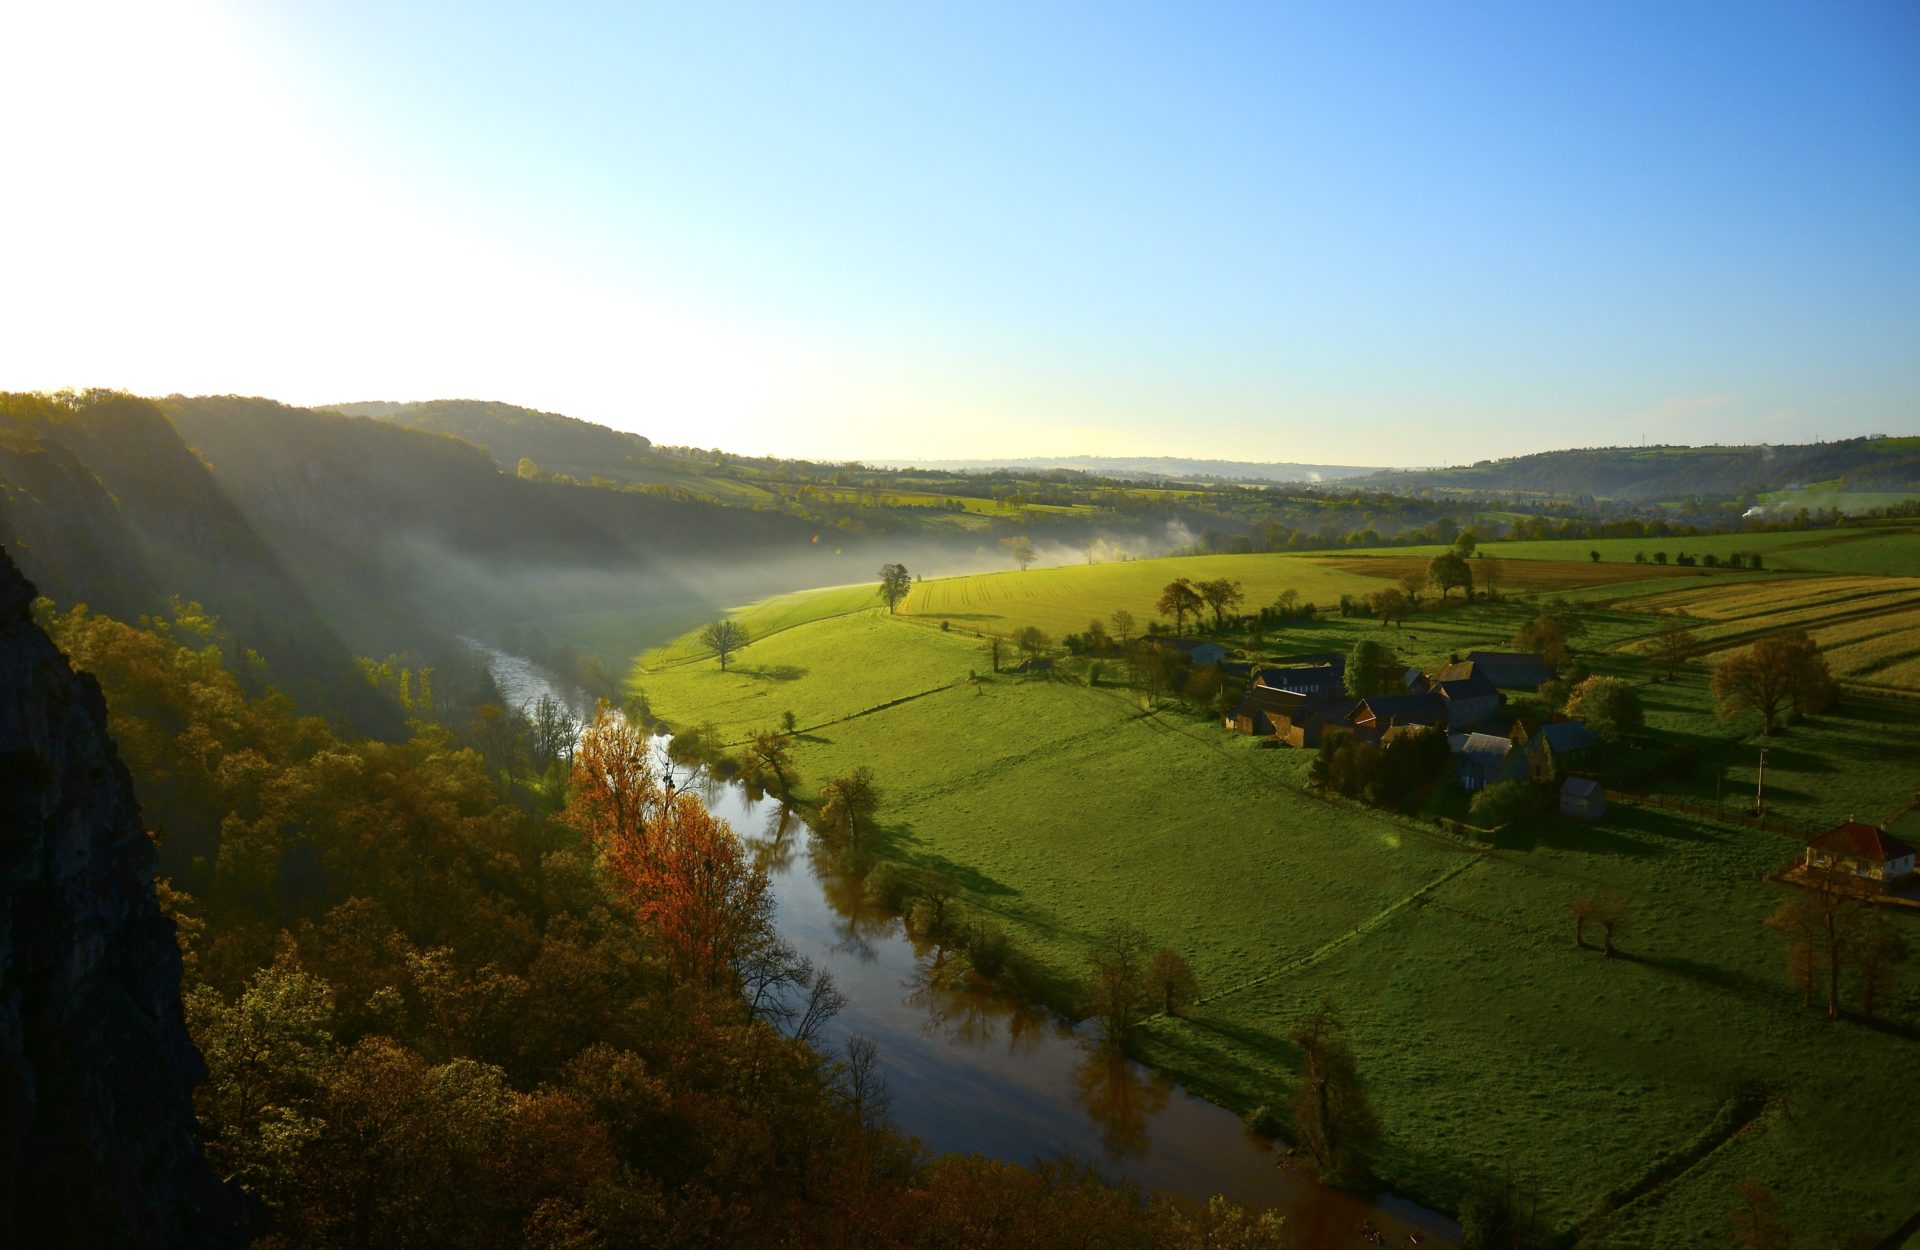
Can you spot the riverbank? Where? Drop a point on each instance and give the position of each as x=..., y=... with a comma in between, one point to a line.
x=1490, y=1045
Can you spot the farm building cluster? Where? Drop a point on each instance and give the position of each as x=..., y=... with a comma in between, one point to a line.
x=1301, y=699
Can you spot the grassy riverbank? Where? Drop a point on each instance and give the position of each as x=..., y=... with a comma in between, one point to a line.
x=1488, y=1041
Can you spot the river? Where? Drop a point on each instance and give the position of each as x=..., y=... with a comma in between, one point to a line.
x=973, y=1073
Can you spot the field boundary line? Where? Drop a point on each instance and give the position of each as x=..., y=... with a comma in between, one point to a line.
x=1375, y=921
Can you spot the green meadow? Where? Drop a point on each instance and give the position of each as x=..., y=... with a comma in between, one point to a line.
x=1063, y=599
x=1490, y=1045
x=1856, y=549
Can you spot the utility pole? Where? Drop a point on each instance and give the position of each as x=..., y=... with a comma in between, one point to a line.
x=1760, y=787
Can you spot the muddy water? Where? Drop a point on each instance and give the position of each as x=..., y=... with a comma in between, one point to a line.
x=971, y=1072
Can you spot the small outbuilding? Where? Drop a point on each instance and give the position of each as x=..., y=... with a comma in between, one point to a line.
x=1582, y=799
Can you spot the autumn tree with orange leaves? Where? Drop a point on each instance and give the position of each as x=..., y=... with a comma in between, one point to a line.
x=691, y=885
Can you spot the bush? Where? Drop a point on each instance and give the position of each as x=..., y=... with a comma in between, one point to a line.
x=1505, y=802
x=1262, y=1122
x=988, y=948
x=888, y=887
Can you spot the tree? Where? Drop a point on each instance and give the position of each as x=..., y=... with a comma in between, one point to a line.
x=526, y=469
x=1550, y=635
x=1465, y=541
x=1413, y=583
x=1756, y=1222
x=1287, y=603
x=1179, y=599
x=1389, y=605
x=1608, y=704
x=1491, y=570
x=895, y=582
x=1117, y=981
x=723, y=638
x=1020, y=547
x=1781, y=671
x=684, y=873
x=1447, y=571
x=1171, y=983
x=1594, y=556
x=555, y=731
x=768, y=760
x=1879, y=949
x=1123, y=626
x=1033, y=640
x=1609, y=911
x=848, y=804
x=1823, y=924
x=1670, y=648
x=1372, y=669
x=1336, y=1127
x=1582, y=914
x=1222, y=595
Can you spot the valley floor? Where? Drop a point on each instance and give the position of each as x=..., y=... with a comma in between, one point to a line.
x=1651, y=1083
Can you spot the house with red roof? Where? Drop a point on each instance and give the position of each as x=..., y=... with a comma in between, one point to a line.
x=1867, y=851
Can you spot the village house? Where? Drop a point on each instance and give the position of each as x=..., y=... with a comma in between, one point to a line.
x=1383, y=712
x=1197, y=650
x=1480, y=760
x=1511, y=670
x=1864, y=850
x=1582, y=799
x=1320, y=681
x=1262, y=706
x=1469, y=699
x=1559, y=742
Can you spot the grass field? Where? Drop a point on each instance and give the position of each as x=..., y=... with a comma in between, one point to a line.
x=1486, y=1039
x=1867, y=627
x=1062, y=600
x=1820, y=495
x=772, y=616
x=1890, y=550
x=1531, y=576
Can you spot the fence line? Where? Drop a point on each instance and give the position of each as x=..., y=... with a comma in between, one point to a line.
x=1792, y=829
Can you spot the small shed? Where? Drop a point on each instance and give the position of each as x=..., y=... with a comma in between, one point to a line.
x=1582, y=799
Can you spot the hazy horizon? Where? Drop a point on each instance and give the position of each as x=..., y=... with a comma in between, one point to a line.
x=1383, y=236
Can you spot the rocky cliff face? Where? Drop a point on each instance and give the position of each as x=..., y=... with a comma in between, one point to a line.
x=97, y=1144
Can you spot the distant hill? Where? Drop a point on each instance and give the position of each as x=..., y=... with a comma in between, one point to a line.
x=555, y=443
x=1173, y=468
x=1652, y=474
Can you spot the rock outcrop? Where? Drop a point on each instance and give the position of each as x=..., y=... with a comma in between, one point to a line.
x=97, y=1134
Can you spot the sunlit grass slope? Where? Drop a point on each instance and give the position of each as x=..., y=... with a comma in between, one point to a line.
x=1487, y=1040
x=1851, y=550
x=1062, y=600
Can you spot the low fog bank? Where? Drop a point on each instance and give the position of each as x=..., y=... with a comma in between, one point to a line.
x=624, y=605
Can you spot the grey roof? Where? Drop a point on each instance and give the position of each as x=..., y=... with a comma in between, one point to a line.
x=1423, y=709
x=1581, y=788
x=1313, y=659
x=1568, y=735
x=1512, y=669
x=1475, y=687
x=1486, y=749
x=1319, y=678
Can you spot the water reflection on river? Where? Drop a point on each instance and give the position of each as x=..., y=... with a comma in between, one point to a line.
x=971, y=1072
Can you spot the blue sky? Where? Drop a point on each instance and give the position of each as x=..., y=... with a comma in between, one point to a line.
x=1406, y=233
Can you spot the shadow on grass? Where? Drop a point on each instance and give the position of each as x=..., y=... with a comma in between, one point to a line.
x=775, y=672
x=1592, y=839
x=1741, y=983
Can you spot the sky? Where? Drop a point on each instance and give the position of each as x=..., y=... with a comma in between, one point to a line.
x=1380, y=234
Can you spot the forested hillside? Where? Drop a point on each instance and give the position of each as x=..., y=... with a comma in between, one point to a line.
x=558, y=444
x=446, y=998
x=102, y=503
x=1673, y=473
